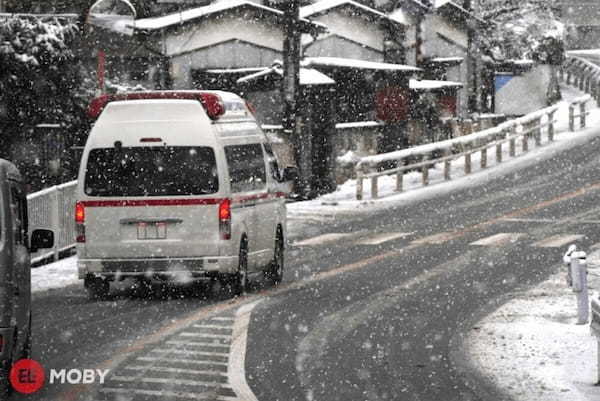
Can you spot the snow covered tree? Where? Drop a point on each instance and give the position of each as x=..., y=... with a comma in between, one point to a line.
x=41, y=79
x=519, y=28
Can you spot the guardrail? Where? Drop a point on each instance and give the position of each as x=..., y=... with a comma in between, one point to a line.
x=53, y=208
x=578, y=104
x=531, y=125
x=582, y=74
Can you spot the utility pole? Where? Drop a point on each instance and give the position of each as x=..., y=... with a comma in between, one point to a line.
x=473, y=84
x=292, y=121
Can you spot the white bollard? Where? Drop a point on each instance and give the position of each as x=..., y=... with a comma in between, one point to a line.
x=579, y=276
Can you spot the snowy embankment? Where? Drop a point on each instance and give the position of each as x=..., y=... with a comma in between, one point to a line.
x=54, y=275
x=532, y=349
x=344, y=199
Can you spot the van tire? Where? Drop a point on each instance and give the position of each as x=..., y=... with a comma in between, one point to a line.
x=26, y=351
x=6, y=388
x=239, y=282
x=97, y=287
x=274, y=273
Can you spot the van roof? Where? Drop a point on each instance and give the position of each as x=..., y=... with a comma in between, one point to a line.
x=218, y=105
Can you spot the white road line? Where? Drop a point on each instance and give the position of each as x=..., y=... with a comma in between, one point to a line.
x=167, y=369
x=557, y=241
x=205, y=335
x=498, y=239
x=197, y=344
x=223, y=318
x=381, y=238
x=214, y=342
x=435, y=239
x=160, y=393
x=179, y=360
x=188, y=352
x=237, y=358
x=161, y=380
x=211, y=326
x=324, y=239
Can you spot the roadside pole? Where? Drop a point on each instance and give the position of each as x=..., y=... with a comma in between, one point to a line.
x=300, y=138
x=577, y=280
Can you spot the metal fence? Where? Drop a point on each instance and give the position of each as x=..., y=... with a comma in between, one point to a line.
x=53, y=208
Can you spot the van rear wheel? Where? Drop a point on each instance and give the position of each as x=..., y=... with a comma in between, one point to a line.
x=240, y=279
x=97, y=287
x=274, y=273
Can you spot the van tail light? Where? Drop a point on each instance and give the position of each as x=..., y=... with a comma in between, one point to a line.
x=225, y=219
x=79, y=222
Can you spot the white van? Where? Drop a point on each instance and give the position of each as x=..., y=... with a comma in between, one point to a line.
x=178, y=185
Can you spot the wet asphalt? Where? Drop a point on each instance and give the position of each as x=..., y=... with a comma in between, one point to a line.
x=386, y=322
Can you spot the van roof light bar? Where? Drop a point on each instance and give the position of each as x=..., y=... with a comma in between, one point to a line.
x=212, y=102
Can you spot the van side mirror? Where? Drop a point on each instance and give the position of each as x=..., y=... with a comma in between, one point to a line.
x=290, y=173
x=41, y=239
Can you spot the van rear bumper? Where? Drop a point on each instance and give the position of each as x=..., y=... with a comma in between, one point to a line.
x=163, y=267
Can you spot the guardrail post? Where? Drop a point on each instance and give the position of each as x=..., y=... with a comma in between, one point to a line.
x=468, y=163
x=484, y=153
x=526, y=140
x=582, y=114
x=55, y=220
x=374, y=192
x=425, y=172
x=551, y=126
x=359, y=186
x=499, y=152
x=447, y=165
x=512, y=144
x=538, y=132
x=571, y=118
x=399, y=181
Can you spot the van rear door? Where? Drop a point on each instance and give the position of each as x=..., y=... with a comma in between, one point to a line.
x=151, y=202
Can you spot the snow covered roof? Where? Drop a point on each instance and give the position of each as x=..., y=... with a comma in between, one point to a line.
x=324, y=6
x=246, y=70
x=400, y=16
x=447, y=60
x=356, y=64
x=456, y=10
x=166, y=21
x=308, y=76
x=433, y=85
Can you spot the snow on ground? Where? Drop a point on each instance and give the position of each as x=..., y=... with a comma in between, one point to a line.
x=54, y=275
x=344, y=199
x=532, y=348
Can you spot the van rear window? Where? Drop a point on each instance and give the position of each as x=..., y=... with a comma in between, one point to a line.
x=151, y=171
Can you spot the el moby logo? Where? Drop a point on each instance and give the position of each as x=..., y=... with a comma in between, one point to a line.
x=28, y=376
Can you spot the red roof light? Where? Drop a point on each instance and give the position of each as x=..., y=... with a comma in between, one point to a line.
x=212, y=103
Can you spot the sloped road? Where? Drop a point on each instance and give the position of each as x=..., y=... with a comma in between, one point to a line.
x=372, y=307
